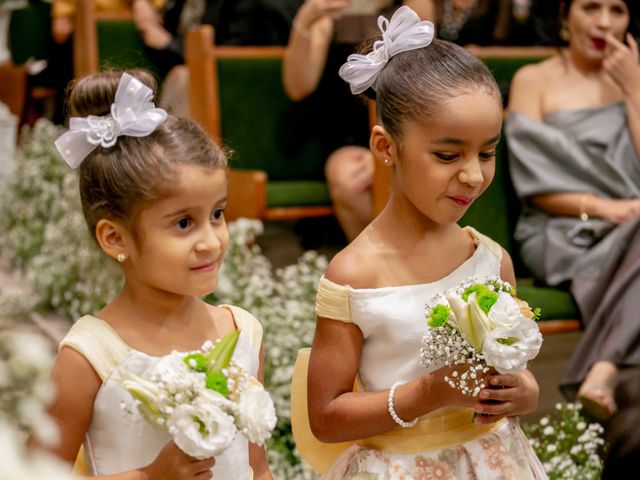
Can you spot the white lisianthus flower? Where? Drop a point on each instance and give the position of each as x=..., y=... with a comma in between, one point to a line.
x=256, y=413
x=505, y=312
x=509, y=349
x=201, y=431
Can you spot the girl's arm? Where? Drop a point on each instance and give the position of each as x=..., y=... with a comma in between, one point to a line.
x=337, y=413
x=257, y=454
x=77, y=384
x=308, y=47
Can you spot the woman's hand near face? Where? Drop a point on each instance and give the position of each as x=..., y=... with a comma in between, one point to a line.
x=314, y=10
x=622, y=63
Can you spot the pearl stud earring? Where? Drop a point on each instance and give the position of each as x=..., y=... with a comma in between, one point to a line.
x=121, y=257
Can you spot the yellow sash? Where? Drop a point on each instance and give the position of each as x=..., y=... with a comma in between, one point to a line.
x=80, y=468
x=443, y=428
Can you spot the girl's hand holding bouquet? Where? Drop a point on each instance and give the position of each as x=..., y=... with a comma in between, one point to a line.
x=486, y=335
x=203, y=400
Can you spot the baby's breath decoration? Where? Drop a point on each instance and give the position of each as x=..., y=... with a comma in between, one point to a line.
x=568, y=446
x=25, y=360
x=42, y=232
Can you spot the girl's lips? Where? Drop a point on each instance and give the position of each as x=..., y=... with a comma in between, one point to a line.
x=207, y=267
x=462, y=201
x=599, y=43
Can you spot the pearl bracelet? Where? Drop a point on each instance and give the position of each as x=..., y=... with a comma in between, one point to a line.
x=392, y=410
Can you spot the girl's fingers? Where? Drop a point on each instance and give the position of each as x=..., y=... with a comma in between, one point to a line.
x=503, y=380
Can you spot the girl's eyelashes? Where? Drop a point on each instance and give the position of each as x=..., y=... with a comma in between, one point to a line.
x=183, y=223
x=217, y=214
x=450, y=157
x=447, y=157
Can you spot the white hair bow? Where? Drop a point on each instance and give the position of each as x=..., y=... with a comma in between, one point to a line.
x=133, y=113
x=404, y=32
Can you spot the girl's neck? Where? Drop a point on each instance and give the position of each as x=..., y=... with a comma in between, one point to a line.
x=403, y=225
x=152, y=307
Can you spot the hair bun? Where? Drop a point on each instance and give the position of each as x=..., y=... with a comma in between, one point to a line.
x=94, y=94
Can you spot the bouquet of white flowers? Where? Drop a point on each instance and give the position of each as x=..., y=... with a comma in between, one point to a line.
x=203, y=399
x=480, y=324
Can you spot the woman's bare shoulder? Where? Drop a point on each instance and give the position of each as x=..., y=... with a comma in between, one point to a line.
x=529, y=85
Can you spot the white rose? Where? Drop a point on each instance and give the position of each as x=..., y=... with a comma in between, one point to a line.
x=202, y=431
x=509, y=348
x=505, y=312
x=256, y=414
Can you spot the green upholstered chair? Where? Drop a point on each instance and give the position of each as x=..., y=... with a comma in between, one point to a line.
x=237, y=95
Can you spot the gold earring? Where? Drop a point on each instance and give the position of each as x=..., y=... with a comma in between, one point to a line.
x=121, y=257
x=564, y=32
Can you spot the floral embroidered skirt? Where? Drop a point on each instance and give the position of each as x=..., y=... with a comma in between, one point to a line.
x=504, y=454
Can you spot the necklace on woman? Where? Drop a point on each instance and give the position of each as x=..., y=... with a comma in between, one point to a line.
x=454, y=17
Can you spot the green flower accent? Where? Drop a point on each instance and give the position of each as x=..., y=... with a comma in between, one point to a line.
x=201, y=362
x=439, y=315
x=507, y=341
x=485, y=297
x=536, y=313
x=218, y=383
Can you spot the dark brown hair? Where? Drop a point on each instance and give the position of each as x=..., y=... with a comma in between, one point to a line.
x=115, y=182
x=414, y=84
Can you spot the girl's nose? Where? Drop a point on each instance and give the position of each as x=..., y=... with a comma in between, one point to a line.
x=208, y=240
x=472, y=174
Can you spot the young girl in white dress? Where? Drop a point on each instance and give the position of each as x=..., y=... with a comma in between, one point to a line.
x=153, y=190
x=440, y=116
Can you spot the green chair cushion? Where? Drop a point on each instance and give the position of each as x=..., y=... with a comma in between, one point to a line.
x=555, y=304
x=504, y=69
x=281, y=193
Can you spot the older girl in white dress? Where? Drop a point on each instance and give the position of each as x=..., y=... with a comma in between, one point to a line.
x=440, y=116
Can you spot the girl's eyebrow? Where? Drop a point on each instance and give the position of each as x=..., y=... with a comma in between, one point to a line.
x=457, y=141
x=182, y=211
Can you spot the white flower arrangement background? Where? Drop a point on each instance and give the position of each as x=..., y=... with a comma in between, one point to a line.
x=25, y=361
x=567, y=444
x=42, y=232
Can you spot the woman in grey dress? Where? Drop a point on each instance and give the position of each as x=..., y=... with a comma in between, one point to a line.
x=574, y=136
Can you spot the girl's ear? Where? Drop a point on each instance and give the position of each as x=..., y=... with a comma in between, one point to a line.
x=383, y=146
x=112, y=238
